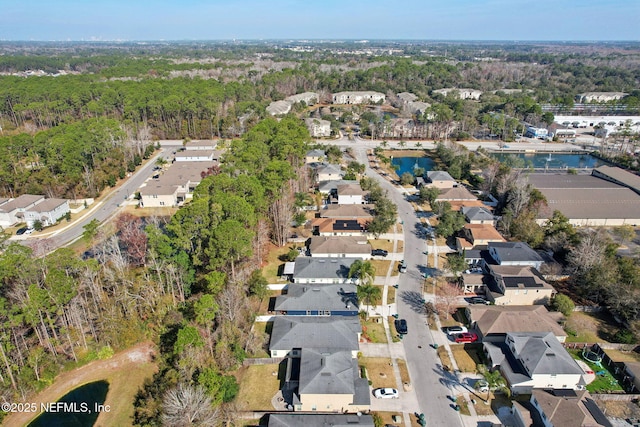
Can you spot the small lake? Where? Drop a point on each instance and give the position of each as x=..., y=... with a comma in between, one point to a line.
x=408, y=164
x=80, y=407
x=551, y=161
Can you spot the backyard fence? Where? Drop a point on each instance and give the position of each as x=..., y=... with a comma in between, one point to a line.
x=589, y=308
x=262, y=361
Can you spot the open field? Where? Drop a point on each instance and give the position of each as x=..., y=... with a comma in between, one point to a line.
x=379, y=371
x=258, y=385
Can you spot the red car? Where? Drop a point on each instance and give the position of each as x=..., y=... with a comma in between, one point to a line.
x=466, y=337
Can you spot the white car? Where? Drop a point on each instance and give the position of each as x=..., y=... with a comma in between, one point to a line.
x=385, y=393
x=454, y=330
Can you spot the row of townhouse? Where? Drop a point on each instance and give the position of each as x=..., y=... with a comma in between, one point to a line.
x=316, y=328
x=29, y=209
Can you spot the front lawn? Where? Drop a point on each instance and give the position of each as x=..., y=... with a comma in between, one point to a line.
x=404, y=371
x=468, y=356
x=373, y=331
x=379, y=371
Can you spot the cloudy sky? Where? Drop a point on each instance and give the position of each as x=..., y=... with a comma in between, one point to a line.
x=581, y=20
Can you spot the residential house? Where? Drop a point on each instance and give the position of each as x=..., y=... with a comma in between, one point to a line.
x=330, y=382
x=514, y=253
x=458, y=197
x=493, y=322
x=409, y=102
x=339, y=247
x=401, y=128
x=200, y=144
x=589, y=97
x=156, y=194
x=317, y=300
x=198, y=156
x=440, y=179
x=517, y=285
x=361, y=97
x=347, y=212
x=12, y=212
x=174, y=185
x=291, y=334
x=478, y=215
x=328, y=172
x=48, y=212
x=318, y=128
x=462, y=93
x=279, y=108
x=567, y=408
x=530, y=360
x=320, y=420
x=339, y=227
x=309, y=98
x=331, y=187
x=473, y=235
x=472, y=283
x=350, y=194
x=323, y=270
x=315, y=156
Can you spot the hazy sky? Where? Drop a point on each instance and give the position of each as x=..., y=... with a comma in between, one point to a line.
x=326, y=19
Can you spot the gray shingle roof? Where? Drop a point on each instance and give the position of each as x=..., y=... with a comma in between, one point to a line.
x=339, y=245
x=439, y=176
x=316, y=153
x=21, y=202
x=318, y=297
x=322, y=268
x=475, y=213
x=542, y=353
x=313, y=332
x=515, y=251
x=320, y=420
x=327, y=373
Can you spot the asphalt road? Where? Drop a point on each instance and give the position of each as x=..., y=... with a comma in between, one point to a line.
x=104, y=209
x=430, y=382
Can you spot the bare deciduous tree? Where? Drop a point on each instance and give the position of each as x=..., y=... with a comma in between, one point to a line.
x=447, y=298
x=186, y=405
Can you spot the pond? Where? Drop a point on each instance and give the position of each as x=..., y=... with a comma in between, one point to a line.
x=409, y=164
x=76, y=408
x=549, y=160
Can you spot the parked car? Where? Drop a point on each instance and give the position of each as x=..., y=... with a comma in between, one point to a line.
x=385, y=393
x=379, y=252
x=401, y=326
x=466, y=337
x=482, y=386
x=452, y=330
x=403, y=267
x=21, y=231
x=478, y=300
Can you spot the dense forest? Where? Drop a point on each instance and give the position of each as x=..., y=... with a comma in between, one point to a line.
x=189, y=282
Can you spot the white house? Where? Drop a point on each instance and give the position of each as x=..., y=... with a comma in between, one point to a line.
x=309, y=98
x=329, y=172
x=48, y=212
x=462, y=93
x=318, y=128
x=530, y=360
x=361, y=97
x=588, y=97
x=278, y=108
x=175, y=185
x=197, y=156
x=350, y=194
x=12, y=212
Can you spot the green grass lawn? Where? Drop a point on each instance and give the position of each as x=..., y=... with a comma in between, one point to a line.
x=605, y=382
x=258, y=385
x=373, y=331
x=272, y=268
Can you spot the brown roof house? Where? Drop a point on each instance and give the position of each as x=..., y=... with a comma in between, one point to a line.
x=493, y=322
x=340, y=247
x=567, y=408
x=477, y=235
x=12, y=212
